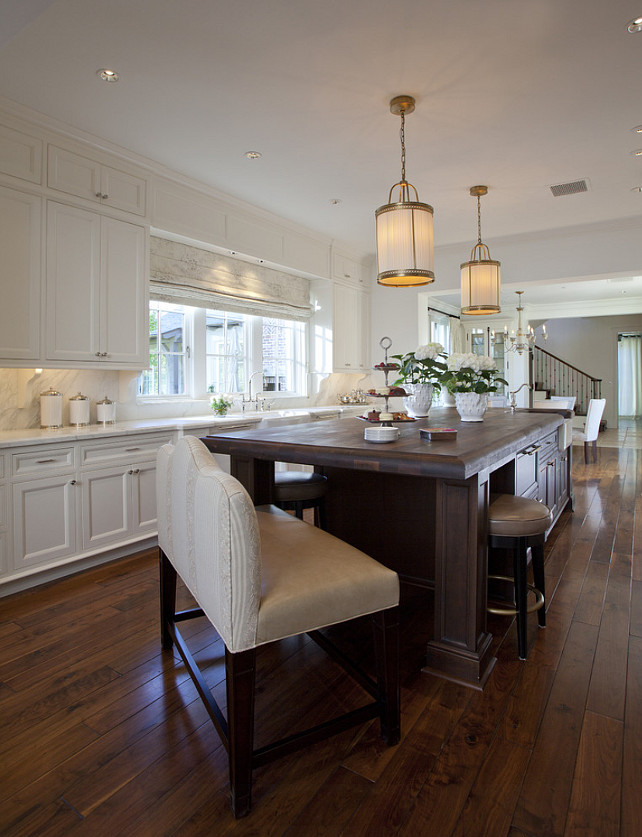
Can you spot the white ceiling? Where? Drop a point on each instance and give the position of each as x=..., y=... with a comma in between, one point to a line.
x=514, y=94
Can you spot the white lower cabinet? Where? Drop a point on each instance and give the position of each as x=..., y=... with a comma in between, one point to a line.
x=118, y=503
x=44, y=520
x=61, y=503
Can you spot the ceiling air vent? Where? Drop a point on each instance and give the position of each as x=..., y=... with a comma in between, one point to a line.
x=572, y=188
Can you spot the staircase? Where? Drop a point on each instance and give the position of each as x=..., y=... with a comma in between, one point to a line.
x=557, y=377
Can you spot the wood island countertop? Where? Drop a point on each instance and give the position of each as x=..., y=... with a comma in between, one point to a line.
x=479, y=446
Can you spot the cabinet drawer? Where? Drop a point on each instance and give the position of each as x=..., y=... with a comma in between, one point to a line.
x=133, y=449
x=41, y=461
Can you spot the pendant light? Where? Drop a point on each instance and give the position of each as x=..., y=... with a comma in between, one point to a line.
x=480, y=276
x=404, y=228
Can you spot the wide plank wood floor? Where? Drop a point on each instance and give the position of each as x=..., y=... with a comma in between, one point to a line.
x=102, y=734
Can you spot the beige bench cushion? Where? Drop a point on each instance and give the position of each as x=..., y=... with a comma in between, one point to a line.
x=310, y=579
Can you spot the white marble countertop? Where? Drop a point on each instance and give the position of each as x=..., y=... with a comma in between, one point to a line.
x=36, y=436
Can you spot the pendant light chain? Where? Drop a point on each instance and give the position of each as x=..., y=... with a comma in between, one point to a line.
x=479, y=241
x=402, y=134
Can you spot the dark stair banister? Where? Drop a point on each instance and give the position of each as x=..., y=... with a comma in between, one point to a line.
x=562, y=378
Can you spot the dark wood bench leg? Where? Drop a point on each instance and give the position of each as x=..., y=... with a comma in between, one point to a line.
x=386, y=640
x=594, y=450
x=240, y=670
x=167, y=597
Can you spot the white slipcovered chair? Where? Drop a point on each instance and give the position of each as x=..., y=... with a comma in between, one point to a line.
x=591, y=427
x=260, y=575
x=566, y=401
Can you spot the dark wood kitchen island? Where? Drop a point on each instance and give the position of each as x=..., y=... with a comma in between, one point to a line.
x=419, y=507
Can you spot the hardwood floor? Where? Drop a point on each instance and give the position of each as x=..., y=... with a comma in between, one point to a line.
x=102, y=734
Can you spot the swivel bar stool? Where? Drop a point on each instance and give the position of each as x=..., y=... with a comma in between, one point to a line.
x=518, y=523
x=298, y=490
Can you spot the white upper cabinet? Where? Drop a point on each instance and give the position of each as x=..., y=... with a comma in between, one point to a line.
x=20, y=155
x=85, y=178
x=96, y=288
x=346, y=269
x=20, y=275
x=350, y=329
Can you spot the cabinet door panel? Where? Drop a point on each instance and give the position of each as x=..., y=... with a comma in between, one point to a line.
x=20, y=245
x=105, y=506
x=124, y=191
x=346, y=328
x=73, y=174
x=20, y=155
x=144, y=498
x=123, y=308
x=73, y=278
x=44, y=521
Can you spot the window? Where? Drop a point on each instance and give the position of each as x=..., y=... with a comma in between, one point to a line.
x=167, y=348
x=225, y=343
x=193, y=351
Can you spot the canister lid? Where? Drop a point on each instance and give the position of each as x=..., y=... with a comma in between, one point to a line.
x=79, y=397
x=105, y=401
x=51, y=391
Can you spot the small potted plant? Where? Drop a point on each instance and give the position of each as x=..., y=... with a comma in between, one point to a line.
x=470, y=377
x=220, y=404
x=420, y=373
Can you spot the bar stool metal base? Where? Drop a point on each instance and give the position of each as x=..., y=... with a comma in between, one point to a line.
x=511, y=611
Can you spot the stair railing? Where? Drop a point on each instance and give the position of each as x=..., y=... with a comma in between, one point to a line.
x=549, y=372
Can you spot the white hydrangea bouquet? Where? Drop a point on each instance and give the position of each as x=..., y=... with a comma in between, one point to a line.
x=423, y=366
x=468, y=372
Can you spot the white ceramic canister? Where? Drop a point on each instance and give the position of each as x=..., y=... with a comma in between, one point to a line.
x=106, y=411
x=79, y=410
x=50, y=409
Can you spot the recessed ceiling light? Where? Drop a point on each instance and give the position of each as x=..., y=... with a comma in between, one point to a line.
x=335, y=201
x=636, y=189
x=635, y=25
x=637, y=152
x=253, y=155
x=637, y=129
x=107, y=75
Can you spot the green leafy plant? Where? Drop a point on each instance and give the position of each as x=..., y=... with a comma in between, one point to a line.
x=423, y=366
x=220, y=404
x=468, y=372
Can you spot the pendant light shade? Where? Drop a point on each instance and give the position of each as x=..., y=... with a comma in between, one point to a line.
x=404, y=227
x=480, y=277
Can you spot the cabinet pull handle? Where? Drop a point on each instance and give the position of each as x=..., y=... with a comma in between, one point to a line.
x=98, y=194
x=104, y=197
x=129, y=450
x=137, y=470
x=44, y=461
x=73, y=482
x=97, y=354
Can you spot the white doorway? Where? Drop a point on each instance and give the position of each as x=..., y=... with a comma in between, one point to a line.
x=629, y=374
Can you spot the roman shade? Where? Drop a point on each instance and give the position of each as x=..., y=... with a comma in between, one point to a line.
x=188, y=275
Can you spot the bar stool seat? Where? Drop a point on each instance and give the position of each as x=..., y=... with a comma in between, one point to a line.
x=520, y=524
x=298, y=490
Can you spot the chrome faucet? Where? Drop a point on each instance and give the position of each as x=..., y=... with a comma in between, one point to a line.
x=513, y=402
x=249, y=400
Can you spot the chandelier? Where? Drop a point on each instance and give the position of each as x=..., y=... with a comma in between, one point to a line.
x=404, y=227
x=480, y=276
x=521, y=341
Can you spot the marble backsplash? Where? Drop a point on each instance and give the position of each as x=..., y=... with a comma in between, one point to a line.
x=20, y=395
x=20, y=392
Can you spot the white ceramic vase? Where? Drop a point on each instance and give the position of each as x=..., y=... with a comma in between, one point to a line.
x=471, y=406
x=418, y=400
